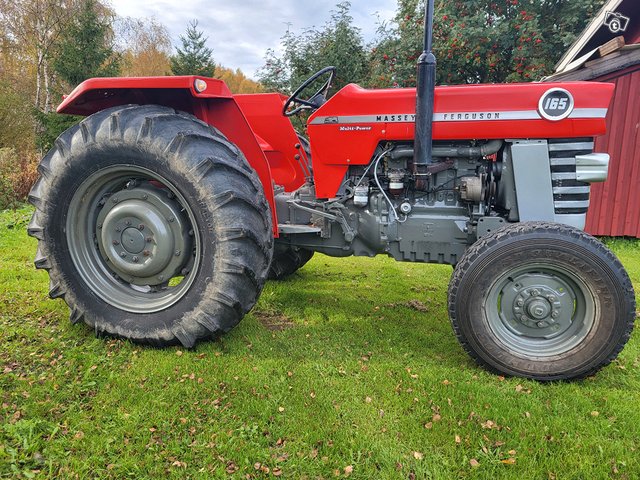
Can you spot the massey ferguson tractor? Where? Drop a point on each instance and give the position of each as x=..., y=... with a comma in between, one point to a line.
x=161, y=215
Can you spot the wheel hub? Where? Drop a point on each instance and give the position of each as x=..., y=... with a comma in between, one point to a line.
x=537, y=305
x=142, y=235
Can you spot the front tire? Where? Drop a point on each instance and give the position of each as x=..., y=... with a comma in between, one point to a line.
x=152, y=226
x=543, y=301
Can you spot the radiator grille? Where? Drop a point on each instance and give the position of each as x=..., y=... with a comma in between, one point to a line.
x=569, y=195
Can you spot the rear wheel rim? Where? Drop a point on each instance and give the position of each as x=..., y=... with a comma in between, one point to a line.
x=540, y=310
x=132, y=239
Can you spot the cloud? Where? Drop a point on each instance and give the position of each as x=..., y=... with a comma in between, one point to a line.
x=241, y=32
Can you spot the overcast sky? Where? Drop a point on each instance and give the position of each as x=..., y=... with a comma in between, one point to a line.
x=241, y=31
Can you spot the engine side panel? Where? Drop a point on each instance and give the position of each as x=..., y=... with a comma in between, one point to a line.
x=346, y=130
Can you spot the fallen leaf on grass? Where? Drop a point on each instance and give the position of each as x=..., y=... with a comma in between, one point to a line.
x=508, y=461
x=348, y=470
x=428, y=425
x=458, y=439
x=474, y=463
x=595, y=414
x=489, y=424
x=418, y=455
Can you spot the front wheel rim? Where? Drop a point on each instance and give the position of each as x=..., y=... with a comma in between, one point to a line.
x=540, y=310
x=132, y=239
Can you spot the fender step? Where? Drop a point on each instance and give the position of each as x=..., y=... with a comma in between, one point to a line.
x=287, y=229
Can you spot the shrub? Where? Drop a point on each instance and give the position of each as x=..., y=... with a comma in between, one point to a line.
x=18, y=173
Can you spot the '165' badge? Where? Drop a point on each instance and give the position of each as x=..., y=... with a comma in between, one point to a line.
x=556, y=104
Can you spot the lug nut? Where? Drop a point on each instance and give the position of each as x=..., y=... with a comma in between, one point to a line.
x=191, y=233
x=542, y=324
x=184, y=271
x=149, y=239
x=171, y=219
x=99, y=226
x=520, y=303
x=145, y=196
x=141, y=227
x=128, y=222
x=146, y=253
x=178, y=253
x=118, y=229
x=115, y=200
x=123, y=255
x=115, y=242
x=136, y=259
x=555, y=315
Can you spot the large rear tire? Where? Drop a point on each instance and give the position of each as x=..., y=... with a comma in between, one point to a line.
x=542, y=301
x=152, y=226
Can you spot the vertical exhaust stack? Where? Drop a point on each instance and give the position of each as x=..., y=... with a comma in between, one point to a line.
x=423, y=143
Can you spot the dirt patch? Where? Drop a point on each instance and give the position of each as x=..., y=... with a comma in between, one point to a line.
x=417, y=305
x=274, y=321
x=413, y=304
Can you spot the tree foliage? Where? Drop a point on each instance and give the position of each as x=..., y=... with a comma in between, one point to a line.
x=481, y=41
x=237, y=81
x=86, y=47
x=338, y=43
x=194, y=58
x=146, y=47
x=85, y=50
x=31, y=31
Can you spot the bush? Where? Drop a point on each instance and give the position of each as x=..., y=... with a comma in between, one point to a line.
x=18, y=173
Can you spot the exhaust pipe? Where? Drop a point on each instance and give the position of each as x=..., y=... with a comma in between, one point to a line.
x=423, y=141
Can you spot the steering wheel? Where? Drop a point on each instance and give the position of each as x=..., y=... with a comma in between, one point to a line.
x=314, y=101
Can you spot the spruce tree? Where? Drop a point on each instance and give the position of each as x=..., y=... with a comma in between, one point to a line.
x=194, y=58
x=86, y=48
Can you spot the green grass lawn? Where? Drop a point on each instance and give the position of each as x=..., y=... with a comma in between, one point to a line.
x=350, y=368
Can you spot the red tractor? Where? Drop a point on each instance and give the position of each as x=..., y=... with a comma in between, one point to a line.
x=162, y=214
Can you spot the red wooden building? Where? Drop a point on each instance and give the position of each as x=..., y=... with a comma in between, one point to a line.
x=609, y=51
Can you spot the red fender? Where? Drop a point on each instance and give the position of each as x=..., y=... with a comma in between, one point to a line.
x=214, y=105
